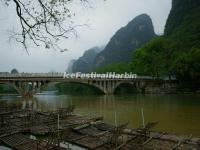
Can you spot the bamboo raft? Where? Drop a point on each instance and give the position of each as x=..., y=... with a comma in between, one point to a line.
x=83, y=131
x=101, y=136
x=20, y=142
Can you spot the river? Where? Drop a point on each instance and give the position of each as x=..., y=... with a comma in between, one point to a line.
x=179, y=114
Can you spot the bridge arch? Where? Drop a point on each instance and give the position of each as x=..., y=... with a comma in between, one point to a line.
x=129, y=86
x=87, y=84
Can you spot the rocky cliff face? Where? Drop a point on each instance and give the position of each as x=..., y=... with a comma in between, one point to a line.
x=120, y=47
x=85, y=63
x=183, y=24
x=180, y=9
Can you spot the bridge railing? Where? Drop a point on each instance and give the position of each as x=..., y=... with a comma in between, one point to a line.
x=9, y=75
x=145, y=77
x=156, y=78
x=61, y=75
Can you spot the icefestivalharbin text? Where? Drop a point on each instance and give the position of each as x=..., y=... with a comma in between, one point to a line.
x=94, y=75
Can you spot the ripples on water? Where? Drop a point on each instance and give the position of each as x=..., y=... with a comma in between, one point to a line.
x=178, y=114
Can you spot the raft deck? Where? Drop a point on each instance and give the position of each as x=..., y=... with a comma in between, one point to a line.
x=84, y=131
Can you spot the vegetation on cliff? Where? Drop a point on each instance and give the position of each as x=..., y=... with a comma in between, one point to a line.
x=177, y=52
x=134, y=35
x=116, y=67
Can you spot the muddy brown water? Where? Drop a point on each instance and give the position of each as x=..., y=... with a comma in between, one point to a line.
x=179, y=114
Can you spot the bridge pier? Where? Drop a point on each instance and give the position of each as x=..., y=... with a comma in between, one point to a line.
x=106, y=86
x=110, y=86
x=27, y=88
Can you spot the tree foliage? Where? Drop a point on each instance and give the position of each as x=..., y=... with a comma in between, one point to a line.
x=187, y=66
x=153, y=59
x=177, y=52
x=180, y=8
x=161, y=58
x=117, y=68
x=187, y=34
x=5, y=89
x=14, y=71
x=44, y=22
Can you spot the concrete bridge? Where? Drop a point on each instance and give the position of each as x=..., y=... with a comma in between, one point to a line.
x=28, y=84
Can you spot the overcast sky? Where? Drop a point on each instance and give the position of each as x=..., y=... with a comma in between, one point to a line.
x=104, y=19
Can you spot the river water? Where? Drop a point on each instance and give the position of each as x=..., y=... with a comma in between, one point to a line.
x=179, y=114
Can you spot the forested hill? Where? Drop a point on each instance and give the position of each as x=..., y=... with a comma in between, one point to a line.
x=178, y=51
x=120, y=47
x=180, y=9
x=183, y=24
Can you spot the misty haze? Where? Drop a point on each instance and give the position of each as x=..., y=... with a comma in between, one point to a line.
x=99, y=74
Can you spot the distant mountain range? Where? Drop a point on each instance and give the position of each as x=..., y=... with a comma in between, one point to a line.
x=85, y=63
x=119, y=49
x=70, y=65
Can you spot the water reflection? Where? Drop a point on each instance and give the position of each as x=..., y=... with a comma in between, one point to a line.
x=4, y=148
x=30, y=104
x=175, y=113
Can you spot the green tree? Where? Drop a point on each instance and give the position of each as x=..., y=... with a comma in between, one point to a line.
x=117, y=68
x=152, y=59
x=1, y=88
x=14, y=71
x=187, y=67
